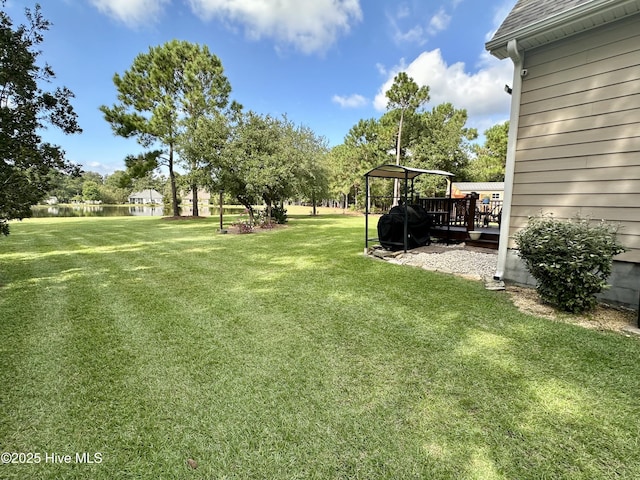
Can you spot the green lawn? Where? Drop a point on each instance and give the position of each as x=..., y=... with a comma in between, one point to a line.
x=287, y=355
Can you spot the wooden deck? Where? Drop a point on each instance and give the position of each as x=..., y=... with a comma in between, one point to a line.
x=454, y=218
x=489, y=238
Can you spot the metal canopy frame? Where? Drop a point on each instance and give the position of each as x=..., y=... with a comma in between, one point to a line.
x=399, y=172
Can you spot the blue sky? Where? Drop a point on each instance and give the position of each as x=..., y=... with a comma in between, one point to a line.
x=324, y=63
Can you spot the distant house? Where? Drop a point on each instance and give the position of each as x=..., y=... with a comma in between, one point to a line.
x=204, y=197
x=491, y=190
x=574, y=139
x=145, y=197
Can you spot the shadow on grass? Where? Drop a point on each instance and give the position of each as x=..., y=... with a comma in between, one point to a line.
x=292, y=355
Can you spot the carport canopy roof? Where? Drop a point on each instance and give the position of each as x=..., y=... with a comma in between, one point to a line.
x=400, y=171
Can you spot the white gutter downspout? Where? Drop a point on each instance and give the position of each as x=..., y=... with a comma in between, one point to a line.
x=518, y=61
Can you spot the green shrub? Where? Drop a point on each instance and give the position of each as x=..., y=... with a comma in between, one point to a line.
x=571, y=259
x=278, y=215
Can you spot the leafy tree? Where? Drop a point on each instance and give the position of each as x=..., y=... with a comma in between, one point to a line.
x=202, y=147
x=26, y=161
x=91, y=191
x=444, y=144
x=232, y=173
x=276, y=174
x=491, y=158
x=404, y=97
x=162, y=95
x=117, y=187
x=157, y=182
x=265, y=159
x=93, y=177
x=371, y=142
x=206, y=146
x=368, y=142
x=341, y=172
x=313, y=175
x=119, y=179
x=64, y=187
x=112, y=196
x=259, y=166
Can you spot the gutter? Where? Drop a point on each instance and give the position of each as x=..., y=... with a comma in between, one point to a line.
x=514, y=119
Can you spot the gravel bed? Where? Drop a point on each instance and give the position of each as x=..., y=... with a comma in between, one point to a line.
x=468, y=263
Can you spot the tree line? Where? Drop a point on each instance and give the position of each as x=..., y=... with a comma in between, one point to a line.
x=411, y=135
x=175, y=100
x=111, y=189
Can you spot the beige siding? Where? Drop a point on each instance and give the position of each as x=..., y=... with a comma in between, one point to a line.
x=594, y=188
x=620, y=159
x=595, y=102
x=578, y=149
x=601, y=174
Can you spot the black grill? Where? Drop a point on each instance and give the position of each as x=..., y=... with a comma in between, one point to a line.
x=391, y=227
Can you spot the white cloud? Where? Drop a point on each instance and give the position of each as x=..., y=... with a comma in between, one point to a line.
x=439, y=22
x=480, y=93
x=131, y=12
x=352, y=101
x=308, y=25
x=403, y=11
x=98, y=167
x=415, y=35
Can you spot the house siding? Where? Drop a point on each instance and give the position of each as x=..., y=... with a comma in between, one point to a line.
x=493, y=190
x=578, y=148
x=204, y=197
x=144, y=197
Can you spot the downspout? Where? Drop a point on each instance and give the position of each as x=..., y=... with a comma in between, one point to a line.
x=518, y=62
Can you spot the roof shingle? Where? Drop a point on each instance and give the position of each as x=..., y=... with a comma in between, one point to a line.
x=528, y=12
x=534, y=23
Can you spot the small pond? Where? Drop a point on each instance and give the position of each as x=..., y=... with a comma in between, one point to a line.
x=81, y=210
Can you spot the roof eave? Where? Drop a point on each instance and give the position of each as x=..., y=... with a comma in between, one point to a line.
x=570, y=22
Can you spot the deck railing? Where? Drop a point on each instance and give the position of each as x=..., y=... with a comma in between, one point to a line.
x=465, y=212
x=450, y=211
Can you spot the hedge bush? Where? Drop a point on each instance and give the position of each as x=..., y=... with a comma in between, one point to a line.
x=278, y=215
x=570, y=259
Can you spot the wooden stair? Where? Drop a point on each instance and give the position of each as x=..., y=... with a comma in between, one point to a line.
x=490, y=238
x=483, y=243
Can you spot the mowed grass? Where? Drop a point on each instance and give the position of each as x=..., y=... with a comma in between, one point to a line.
x=289, y=355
